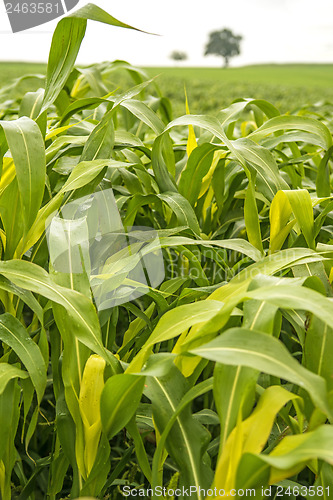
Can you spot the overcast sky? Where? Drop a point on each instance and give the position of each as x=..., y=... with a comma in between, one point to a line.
x=273, y=31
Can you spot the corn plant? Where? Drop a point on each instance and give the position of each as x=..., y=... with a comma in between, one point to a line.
x=210, y=379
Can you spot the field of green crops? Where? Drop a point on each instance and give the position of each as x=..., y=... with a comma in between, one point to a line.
x=289, y=87
x=166, y=291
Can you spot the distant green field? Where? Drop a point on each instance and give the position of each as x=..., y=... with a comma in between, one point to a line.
x=308, y=75
x=12, y=70
x=288, y=86
x=210, y=89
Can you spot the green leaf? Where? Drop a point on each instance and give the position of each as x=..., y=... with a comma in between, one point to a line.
x=80, y=309
x=9, y=419
x=140, y=451
x=234, y=389
x=250, y=435
x=279, y=216
x=101, y=140
x=66, y=42
x=293, y=452
x=198, y=390
x=145, y=114
x=196, y=168
x=233, y=112
x=24, y=295
x=236, y=244
x=15, y=336
x=9, y=372
x=289, y=122
x=83, y=173
x=301, y=204
x=31, y=104
x=296, y=298
x=240, y=346
x=264, y=164
x=251, y=216
x=183, y=210
x=187, y=440
x=318, y=349
x=27, y=147
x=163, y=175
x=244, y=150
x=323, y=175
x=119, y=401
x=173, y=323
x=65, y=46
x=12, y=217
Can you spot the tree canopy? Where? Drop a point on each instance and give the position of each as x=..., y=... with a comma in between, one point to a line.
x=223, y=43
x=178, y=55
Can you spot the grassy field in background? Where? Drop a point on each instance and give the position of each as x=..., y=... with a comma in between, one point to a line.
x=288, y=86
x=210, y=89
x=12, y=70
x=309, y=75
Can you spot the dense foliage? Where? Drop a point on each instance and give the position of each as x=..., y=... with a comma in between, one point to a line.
x=292, y=88
x=220, y=376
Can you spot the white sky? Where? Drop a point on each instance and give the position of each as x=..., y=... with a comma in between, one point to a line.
x=273, y=31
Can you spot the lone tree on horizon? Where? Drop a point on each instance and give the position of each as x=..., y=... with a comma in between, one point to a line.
x=223, y=43
x=178, y=55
